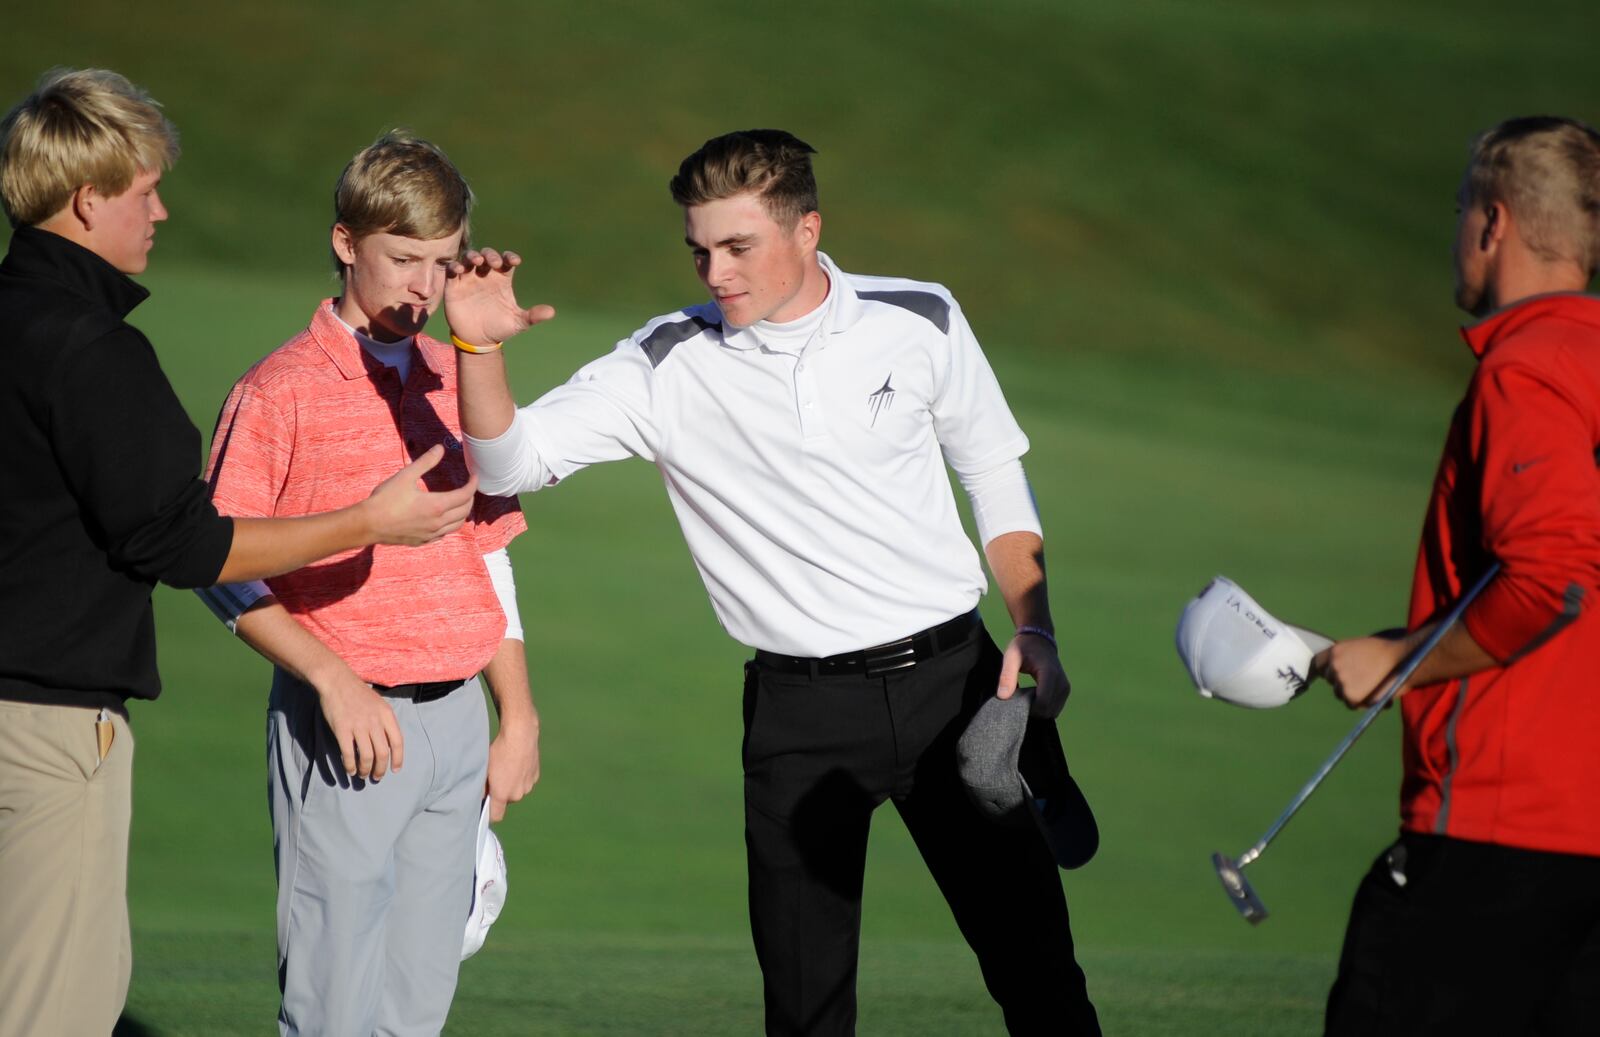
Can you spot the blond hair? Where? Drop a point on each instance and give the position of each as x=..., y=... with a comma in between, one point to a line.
x=79, y=126
x=401, y=184
x=773, y=164
x=1546, y=171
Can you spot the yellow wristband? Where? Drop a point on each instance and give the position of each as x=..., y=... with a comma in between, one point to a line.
x=468, y=347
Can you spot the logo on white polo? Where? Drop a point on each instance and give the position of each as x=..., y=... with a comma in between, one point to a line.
x=881, y=400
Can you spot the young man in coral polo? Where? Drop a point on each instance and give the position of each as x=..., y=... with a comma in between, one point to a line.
x=377, y=742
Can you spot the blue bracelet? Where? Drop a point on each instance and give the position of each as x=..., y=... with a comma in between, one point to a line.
x=1039, y=632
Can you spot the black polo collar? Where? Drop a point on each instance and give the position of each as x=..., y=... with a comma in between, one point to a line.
x=41, y=254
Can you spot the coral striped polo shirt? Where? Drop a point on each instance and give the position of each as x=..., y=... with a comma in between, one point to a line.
x=316, y=426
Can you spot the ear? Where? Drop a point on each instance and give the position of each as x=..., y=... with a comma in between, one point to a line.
x=1496, y=218
x=85, y=205
x=344, y=244
x=808, y=230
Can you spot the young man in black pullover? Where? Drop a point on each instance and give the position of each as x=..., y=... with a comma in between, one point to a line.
x=103, y=501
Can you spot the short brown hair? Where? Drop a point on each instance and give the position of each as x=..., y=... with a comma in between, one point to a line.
x=79, y=126
x=1546, y=171
x=772, y=163
x=402, y=184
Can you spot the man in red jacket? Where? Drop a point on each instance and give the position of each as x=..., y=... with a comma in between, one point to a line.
x=1485, y=916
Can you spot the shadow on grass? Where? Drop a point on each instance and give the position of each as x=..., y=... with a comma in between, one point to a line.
x=130, y=1026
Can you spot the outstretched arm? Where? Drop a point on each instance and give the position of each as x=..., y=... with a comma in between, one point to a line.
x=399, y=511
x=481, y=306
x=1359, y=668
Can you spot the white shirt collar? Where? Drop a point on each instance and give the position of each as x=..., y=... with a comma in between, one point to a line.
x=391, y=354
x=839, y=311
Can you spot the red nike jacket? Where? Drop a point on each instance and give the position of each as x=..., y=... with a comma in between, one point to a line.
x=1511, y=755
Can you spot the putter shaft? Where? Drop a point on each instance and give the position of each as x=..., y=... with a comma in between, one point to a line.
x=1408, y=666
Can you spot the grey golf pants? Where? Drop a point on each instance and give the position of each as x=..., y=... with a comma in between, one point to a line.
x=374, y=878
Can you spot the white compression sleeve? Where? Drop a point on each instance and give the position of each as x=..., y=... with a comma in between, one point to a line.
x=1002, y=501
x=505, y=588
x=229, y=601
x=508, y=463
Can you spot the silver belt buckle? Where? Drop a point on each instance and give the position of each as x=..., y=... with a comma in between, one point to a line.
x=887, y=658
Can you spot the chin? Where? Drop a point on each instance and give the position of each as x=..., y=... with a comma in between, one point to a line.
x=1477, y=304
x=405, y=328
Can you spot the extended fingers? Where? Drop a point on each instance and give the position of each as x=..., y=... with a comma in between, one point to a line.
x=374, y=745
x=363, y=755
x=425, y=462
x=397, y=741
x=380, y=754
x=457, y=505
x=347, y=755
x=484, y=261
x=1010, y=666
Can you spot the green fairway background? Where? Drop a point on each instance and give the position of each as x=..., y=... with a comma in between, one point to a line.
x=1207, y=249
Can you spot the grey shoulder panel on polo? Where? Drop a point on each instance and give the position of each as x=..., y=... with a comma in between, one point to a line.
x=927, y=305
x=662, y=340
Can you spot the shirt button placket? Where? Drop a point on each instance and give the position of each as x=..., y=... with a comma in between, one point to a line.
x=805, y=391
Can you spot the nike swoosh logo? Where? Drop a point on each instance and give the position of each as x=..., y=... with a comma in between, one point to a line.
x=1518, y=467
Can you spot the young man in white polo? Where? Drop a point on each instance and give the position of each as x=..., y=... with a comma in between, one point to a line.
x=801, y=419
x=378, y=746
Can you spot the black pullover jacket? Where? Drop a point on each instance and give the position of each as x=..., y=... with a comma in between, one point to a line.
x=101, y=496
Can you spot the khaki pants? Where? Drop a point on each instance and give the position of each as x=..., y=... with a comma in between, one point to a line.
x=65, y=954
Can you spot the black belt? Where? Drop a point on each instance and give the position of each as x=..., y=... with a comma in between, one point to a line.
x=880, y=659
x=425, y=691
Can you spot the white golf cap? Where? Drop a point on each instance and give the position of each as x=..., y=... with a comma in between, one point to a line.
x=488, y=887
x=1238, y=652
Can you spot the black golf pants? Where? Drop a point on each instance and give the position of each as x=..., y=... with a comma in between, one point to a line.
x=820, y=753
x=1476, y=939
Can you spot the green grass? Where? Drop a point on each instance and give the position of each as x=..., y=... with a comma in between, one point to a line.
x=627, y=909
x=1206, y=247
x=705, y=986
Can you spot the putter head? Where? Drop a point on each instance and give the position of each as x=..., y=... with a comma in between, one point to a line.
x=1238, y=889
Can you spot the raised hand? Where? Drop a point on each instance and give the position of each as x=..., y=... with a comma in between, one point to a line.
x=479, y=301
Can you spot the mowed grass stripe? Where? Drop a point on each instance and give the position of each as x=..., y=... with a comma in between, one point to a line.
x=575, y=984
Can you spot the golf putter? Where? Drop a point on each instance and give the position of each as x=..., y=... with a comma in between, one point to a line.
x=1231, y=870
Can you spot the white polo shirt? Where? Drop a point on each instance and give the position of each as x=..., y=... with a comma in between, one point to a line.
x=808, y=474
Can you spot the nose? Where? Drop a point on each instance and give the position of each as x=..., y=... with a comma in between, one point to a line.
x=158, y=212
x=717, y=269
x=427, y=281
